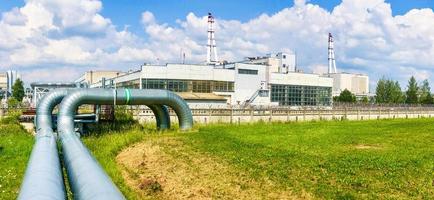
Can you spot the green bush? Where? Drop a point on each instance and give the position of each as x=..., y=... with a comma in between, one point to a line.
x=12, y=117
x=13, y=103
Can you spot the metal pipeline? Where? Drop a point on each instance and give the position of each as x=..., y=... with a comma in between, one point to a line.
x=162, y=116
x=43, y=178
x=86, y=177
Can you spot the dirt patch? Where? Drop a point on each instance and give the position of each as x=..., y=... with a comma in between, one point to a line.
x=166, y=169
x=29, y=126
x=366, y=146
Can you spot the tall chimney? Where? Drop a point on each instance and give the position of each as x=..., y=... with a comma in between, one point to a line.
x=331, y=57
x=211, y=49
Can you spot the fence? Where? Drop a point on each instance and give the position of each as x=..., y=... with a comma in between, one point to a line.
x=269, y=114
x=242, y=115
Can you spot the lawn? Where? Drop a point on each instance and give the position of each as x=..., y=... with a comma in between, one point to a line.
x=378, y=159
x=15, y=148
x=364, y=159
x=384, y=159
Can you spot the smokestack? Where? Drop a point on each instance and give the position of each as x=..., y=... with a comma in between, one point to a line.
x=331, y=57
x=211, y=48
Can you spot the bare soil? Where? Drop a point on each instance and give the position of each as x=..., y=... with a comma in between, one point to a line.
x=164, y=168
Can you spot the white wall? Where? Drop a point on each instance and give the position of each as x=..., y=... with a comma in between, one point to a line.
x=247, y=84
x=293, y=78
x=358, y=84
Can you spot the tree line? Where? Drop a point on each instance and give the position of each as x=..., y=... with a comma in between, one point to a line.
x=389, y=91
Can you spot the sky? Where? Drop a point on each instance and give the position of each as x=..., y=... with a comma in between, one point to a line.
x=57, y=40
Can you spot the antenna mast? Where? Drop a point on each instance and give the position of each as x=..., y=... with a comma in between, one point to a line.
x=211, y=48
x=331, y=57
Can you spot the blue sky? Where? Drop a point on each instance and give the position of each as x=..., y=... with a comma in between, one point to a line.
x=167, y=11
x=128, y=12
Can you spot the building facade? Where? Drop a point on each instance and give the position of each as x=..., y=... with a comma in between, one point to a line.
x=358, y=84
x=238, y=84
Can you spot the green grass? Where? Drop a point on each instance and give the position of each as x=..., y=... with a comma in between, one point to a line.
x=385, y=159
x=332, y=160
x=15, y=148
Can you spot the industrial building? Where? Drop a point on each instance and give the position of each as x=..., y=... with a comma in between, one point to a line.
x=234, y=83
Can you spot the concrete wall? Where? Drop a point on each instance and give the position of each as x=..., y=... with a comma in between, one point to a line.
x=287, y=115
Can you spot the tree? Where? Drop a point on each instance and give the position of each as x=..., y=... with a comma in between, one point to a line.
x=346, y=96
x=412, y=90
x=380, y=92
x=18, y=90
x=425, y=93
x=394, y=91
x=388, y=91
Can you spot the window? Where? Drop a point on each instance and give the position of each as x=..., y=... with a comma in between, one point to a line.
x=284, y=56
x=295, y=95
x=199, y=86
x=202, y=86
x=247, y=71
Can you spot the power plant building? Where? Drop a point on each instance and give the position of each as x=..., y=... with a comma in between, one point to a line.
x=231, y=84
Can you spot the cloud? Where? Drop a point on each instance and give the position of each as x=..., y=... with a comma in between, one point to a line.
x=148, y=18
x=56, y=35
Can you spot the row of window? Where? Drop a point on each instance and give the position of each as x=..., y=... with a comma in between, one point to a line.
x=199, y=86
x=248, y=71
x=296, y=95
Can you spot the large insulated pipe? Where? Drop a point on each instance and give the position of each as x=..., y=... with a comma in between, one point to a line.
x=162, y=116
x=43, y=178
x=86, y=177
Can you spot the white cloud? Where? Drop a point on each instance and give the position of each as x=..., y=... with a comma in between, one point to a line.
x=54, y=35
x=148, y=18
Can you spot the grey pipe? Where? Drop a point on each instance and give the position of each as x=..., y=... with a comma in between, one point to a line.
x=43, y=178
x=86, y=177
x=162, y=116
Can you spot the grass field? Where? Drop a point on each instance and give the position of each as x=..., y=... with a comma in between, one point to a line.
x=15, y=147
x=384, y=159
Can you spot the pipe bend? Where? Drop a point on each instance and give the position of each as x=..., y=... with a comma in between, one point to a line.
x=87, y=178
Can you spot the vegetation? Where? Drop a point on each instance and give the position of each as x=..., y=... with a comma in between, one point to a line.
x=346, y=96
x=412, y=91
x=388, y=91
x=15, y=147
x=13, y=103
x=378, y=159
x=18, y=90
x=381, y=159
x=332, y=160
x=425, y=93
